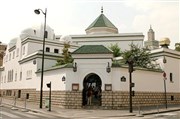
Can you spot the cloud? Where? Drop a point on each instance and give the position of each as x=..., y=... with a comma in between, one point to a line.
x=164, y=17
x=141, y=5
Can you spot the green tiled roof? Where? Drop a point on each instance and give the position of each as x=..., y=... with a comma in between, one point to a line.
x=101, y=21
x=92, y=49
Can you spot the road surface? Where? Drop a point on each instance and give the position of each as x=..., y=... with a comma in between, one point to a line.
x=8, y=113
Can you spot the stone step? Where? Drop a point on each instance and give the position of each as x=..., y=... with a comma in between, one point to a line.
x=92, y=107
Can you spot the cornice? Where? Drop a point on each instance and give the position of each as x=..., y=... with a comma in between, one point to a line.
x=52, y=56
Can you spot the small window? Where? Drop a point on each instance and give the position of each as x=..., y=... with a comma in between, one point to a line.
x=9, y=56
x=56, y=50
x=47, y=49
x=46, y=34
x=16, y=76
x=171, y=77
x=34, y=32
x=20, y=76
x=57, y=38
x=12, y=73
x=9, y=76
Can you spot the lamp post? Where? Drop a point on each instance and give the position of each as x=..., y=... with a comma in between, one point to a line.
x=49, y=86
x=164, y=78
x=130, y=64
x=38, y=11
x=165, y=96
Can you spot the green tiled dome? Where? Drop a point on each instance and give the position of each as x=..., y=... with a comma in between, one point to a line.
x=102, y=21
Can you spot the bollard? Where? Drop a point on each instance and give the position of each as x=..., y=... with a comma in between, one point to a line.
x=139, y=112
x=25, y=106
x=157, y=108
x=14, y=105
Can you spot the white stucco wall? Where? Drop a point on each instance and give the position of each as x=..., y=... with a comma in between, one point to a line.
x=149, y=81
x=24, y=82
x=172, y=67
x=88, y=66
x=144, y=81
x=123, y=40
x=53, y=76
x=33, y=47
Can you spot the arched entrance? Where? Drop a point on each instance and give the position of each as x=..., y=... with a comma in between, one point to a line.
x=92, y=83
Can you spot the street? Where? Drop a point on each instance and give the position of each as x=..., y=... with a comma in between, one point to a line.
x=7, y=113
x=169, y=115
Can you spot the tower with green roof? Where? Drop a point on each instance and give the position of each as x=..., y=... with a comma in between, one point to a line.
x=102, y=25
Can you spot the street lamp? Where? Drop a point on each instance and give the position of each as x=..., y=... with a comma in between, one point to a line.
x=49, y=86
x=165, y=95
x=164, y=78
x=131, y=85
x=38, y=11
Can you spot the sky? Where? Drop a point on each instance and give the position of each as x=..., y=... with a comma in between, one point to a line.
x=72, y=17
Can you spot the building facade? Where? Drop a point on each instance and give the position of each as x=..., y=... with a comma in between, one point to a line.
x=2, y=50
x=93, y=66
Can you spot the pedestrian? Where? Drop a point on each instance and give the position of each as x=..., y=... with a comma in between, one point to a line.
x=89, y=95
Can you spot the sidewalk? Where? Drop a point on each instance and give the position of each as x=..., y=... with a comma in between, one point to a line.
x=77, y=113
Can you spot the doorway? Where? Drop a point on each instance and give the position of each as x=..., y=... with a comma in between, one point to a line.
x=92, y=82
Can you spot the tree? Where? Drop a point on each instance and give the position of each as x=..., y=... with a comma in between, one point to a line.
x=139, y=56
x=177, y=45
x=116, y=50
x=67, y=55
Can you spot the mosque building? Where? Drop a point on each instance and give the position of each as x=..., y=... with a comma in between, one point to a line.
x=20, y=73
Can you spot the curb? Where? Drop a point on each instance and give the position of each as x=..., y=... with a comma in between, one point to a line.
x=54, y=113
x=164, y=111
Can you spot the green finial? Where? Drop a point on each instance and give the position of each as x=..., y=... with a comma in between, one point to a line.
x=102, y=10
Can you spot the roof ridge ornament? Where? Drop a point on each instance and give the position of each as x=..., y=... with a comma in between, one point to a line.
x=102, y=10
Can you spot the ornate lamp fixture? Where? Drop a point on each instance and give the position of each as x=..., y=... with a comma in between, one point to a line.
x=164, y=60
x=75, y=67
x=108, y=69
